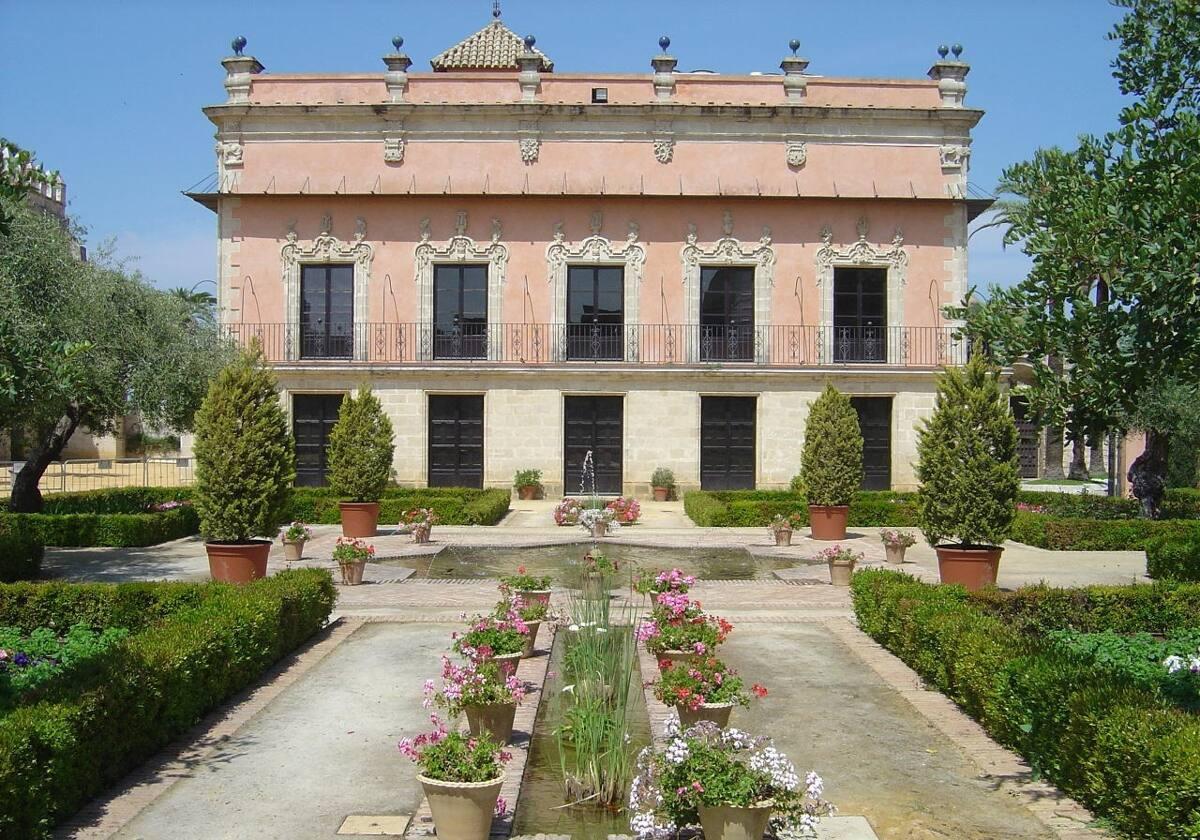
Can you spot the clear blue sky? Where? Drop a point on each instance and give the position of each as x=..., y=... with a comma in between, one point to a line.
x=109, y=93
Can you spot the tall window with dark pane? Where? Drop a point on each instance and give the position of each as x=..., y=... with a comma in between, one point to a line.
x=727, y=314
x=860, y=315
x=326, y=311
x=460, y=313
x=595, y=312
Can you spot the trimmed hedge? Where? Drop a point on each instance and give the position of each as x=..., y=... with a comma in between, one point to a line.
x=113, y=500
x=1051, y=532
x=1123, y=751
x=1154, y=608
x=109, y=529
x=20, y=550
x=453, y=505
x=754, y=508
x=1174, y=558
x=212, y=641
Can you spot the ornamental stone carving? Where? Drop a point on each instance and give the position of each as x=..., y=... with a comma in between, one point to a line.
x=797, y=153
x=530, y=147
x=664, y=149
x=230, y=152
x=393, y=150
x=324, y=248
x=955, y=157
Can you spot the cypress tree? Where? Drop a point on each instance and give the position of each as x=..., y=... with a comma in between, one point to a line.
x=968, y=470
x=831, y=464
x=245, y=460
x=360, y=449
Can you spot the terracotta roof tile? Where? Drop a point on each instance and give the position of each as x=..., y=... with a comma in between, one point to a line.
x=495, y=47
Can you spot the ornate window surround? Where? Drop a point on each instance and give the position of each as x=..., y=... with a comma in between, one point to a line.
x=861, y=254
x=459, y=248
x=597, y=249
x=324, y=249
x=728, y=251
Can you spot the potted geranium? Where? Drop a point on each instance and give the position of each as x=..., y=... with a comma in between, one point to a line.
x=461, y=775
x=831, y=464
x=678, y=630
x=968, y=474
x=527, y=587
x=567, y=512
x=782, y=527
x=894, y=544
x=663, y=482
x=493, y=639
x=731, y=783
x=352, y=555
x=626, y=511
x=360, y=461
x=528, y=483
x=703, y=690
x=293, y=537
x=487, y=697
x=420, y=522
x=533, y=613
x=245, y=466
x=598, y=569
x=655, y=583
x=841, y=563
x=598, y=521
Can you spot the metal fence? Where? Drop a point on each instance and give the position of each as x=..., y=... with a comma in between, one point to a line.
x=105, y=473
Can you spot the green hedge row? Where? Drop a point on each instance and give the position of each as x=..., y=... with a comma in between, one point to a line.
x=109, y=529
x=1125, y=752
x=1046, y=531
x=57, y=753
x=1155, y=608
x=1174, y=558
x=114, y=500
x=453, y=505
x=20, y=550
x=753, y=508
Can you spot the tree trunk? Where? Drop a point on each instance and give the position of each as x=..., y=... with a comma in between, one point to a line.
x=1148, y=474
x=1079, y=470
x=1054, y=453
x=26, y=497
x=1096, y=464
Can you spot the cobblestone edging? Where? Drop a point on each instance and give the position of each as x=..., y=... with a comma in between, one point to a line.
x=533, y=672
x=110, y=811
x=1058, y=812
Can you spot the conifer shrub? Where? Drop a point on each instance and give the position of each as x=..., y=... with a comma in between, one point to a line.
x=831, y=465
x=360, y=449
x=245, y=460
x=968, y=470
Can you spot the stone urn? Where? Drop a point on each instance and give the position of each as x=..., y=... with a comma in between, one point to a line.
x=531, y=639
x=733, y=822
x=676, y=656
x=718, y=713
x=592, y=586
x=462, y=810
x=420, y=534
x=293, y=550
x=973, y=568
x=828, y=522
x=783, y=536
x=352, y=573
x=238, y=562
x=895, y=554
x=599, y=528
x=506, y=662
x=533, y=596
x=496, y=719
x=359, y=519
x=840, y=572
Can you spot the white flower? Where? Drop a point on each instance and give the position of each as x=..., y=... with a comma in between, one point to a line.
x=677, y=752
x=1174, y=663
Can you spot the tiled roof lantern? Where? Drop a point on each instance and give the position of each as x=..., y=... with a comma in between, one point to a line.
x=495, y=47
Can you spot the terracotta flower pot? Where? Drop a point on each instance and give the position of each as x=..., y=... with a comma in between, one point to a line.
x=293, y=550
x=840, y=573
x=731, y=822
x=462, y=810
x=352, y=573
x=531, y=639
x=783, y=536
x=895, y=554
x=359, y=519
x=828, y=521
x=974, y=568
x=527, y=491
x=238, y=562
x=661, y=493
x=496, y=719
x=421, y=533
x=533, y=596
x=718, y=713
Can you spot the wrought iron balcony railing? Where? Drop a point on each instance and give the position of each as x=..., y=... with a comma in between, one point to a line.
x=778, y=345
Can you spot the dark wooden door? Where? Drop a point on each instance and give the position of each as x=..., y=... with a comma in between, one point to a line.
x=727, y=443
x=595, y=312
x=875, y=421
x=460, y=311
x=595, y=424
x=727, y=314
x=859, y=315
x=1028, y=438
x=313, y=416
x=326, y=311
x=456, y=441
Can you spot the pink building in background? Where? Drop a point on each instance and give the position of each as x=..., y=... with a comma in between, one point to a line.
x=664, y=268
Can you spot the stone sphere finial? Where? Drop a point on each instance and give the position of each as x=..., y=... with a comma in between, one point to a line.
x=664, y=42
x=529, y=42
x=943, y=51
x=496, y=9
x=238, y=44
x=794, y=44
x=397, y=42
x=957, y=50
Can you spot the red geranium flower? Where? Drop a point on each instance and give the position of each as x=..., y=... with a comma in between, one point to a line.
x=759, y=690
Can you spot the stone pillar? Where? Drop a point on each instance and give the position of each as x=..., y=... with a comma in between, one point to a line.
x=950, y=74
x=528, y=65
x=795, y=85
x=396, y=77
x=238, y=72
x=664, y=71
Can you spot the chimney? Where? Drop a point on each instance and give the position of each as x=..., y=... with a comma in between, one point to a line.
x=950, y=74
x=795, y=85
x=528, y=65
x=396, y=77
x=664, y=71
x=238, y=72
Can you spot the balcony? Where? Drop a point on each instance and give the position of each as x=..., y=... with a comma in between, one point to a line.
x=633, y=345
